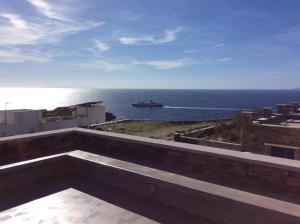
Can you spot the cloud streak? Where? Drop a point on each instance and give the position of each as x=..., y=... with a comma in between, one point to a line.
x=14, y=20
x=21, y=32
x=13, y=55
x=107, y=65
x=48, y=10
x=17, y=32
x=168, y=64
x=251, y=13
x=126, y=15
x=223, y=59
x=113, y=65
x=169, y=36
x=101, y=46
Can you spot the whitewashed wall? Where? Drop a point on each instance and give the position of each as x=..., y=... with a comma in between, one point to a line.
x=21, y=122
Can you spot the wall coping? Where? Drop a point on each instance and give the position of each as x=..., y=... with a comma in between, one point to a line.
x=199, y=149
x=164, y=144
x=30, y=136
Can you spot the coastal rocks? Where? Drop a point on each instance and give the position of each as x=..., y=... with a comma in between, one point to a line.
x=109, y=116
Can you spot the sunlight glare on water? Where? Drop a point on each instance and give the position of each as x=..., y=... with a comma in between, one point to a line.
x=35, y=98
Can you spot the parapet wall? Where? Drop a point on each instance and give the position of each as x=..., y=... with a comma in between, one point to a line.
x=92, y=174
x=230, y=168
x=29, y=146
x=226, y=167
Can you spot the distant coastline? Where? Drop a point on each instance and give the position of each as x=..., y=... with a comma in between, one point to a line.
x=179, y=104
x=178, y=89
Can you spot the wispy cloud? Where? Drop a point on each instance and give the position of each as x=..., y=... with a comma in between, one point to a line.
x=191, y=51
x=251, y=13
x=126, y=15
x=14, y=20
x=134, y=17
x=125, y=64
x=223, y=59
x=21, y=32
x=50, y=27
x=168, y=64
x=136, y=40
x=18, y=31
x=48, y=10
x=219, y=45
x=205, y=46
x=13, y=55
x=108, y=65
x=169, y=36
x=101, y=46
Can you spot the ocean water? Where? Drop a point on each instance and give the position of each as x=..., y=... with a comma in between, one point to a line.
x=179, y=104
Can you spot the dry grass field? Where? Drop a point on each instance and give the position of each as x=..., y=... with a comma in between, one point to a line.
x=153, y=129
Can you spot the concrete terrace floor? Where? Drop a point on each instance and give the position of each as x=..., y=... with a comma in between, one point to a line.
x=74, y=206
x=70, y=206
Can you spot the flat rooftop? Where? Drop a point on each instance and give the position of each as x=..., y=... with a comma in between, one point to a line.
x=64, y=207
x=18, y=110
x=84, y=176
x=288, y=120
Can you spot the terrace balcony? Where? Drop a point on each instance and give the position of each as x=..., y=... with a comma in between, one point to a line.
x=84, y=176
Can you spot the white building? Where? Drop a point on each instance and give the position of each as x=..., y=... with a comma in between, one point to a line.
x=13, y=122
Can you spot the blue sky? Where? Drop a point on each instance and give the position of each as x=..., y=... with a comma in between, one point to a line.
x=186, y=44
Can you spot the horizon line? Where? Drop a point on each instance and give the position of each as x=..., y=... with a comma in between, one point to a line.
x=74, y=87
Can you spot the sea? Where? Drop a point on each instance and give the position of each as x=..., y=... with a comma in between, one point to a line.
x=178, y=104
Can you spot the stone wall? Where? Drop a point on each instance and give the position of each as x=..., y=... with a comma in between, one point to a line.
x=198, y=137
x=14, y=149
x=92, y=174
x=28, y=173
x=203, y=132
x=226, y=167
x=198, y=141
x=255, y=136
x=195, y=197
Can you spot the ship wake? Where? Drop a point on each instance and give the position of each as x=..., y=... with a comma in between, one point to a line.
x=206, y=108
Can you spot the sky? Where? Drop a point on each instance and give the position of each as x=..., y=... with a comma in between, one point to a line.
x=182, y=44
